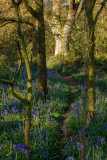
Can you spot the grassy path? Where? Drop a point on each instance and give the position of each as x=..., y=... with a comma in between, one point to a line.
x=73, y=85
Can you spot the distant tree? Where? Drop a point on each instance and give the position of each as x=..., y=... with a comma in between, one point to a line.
x=61, y=32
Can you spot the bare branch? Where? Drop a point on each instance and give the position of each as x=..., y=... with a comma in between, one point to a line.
x=20, y=63
x=71, y=16
x=16, y=3
x=99, y=11
x=17, y=96
x=5, y=81
x=33, y=12
x=13, y=19
x=80, y=9
x=5, y=23
x=97, y=16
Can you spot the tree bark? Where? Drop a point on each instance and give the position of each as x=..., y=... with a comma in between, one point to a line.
x=41, y=53
x=61, y=35
x=61, y=47
x=91, y=77
x=29, y=84
x=85, y=95
x=38, y=15
x=58, y=46
x=91, y=47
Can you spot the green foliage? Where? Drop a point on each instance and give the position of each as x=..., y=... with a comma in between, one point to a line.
x=45, y=118
x=95, y=137
x=96, y=130
x=50, y=42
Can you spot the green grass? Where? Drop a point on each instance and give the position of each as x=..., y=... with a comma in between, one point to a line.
x=96, y=130
x=45, y=124
x=45, y=135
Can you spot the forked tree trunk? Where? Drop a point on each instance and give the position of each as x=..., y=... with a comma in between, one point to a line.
x=61, y=43
x=61, y=35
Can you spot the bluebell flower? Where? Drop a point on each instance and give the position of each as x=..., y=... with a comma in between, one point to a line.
x=15, y=146
x=97, y=148
x=70, y=158
x=49, y=110
x=36, y=151
x=47, y=133
x=6, y=112
x=38, y=109
x=66, y=152
x=69, y=143
x=26, y=147
x=45, y=154
x=23, y=122
x=102, y=140
x=80, y=146
x=20, y=146
x=20, y=126
x=42, y=146
x=49, y=120
x=34, y=115
x=1, y=146
x=100, y=157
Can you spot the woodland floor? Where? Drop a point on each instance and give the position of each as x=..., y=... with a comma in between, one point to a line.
x=64, y=135
x=73, y=85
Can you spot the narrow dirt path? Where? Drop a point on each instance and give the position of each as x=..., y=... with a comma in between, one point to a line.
x=73, y=85
x=64, y=133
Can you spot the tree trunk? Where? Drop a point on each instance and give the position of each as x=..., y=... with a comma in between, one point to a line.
x=38, y=15
x=27, y=124
x=62, y=35
x=83, y=152
x=29, y=85
x=91, y=46
x=41, y=54
x=58, y=45
x=61, y=45
x=91, y=76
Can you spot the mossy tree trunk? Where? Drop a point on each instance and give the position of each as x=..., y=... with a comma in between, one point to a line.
x=91, y=47
x=29, y=75
x=41, y=54
x=89, y=66
x=38, y=15
x=85, y=95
